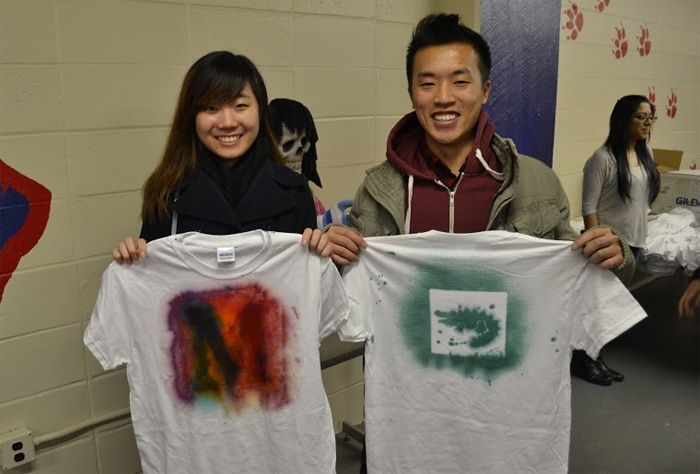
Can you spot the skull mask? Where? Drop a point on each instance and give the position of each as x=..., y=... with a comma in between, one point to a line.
x=293, y=146
x=293, y=126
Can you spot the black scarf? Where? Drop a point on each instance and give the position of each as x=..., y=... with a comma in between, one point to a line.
x=235, y=181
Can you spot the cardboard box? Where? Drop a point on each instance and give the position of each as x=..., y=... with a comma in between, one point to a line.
x=679, y=189
x=667, y=160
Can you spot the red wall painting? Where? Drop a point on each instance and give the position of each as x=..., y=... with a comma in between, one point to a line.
x=24, y=212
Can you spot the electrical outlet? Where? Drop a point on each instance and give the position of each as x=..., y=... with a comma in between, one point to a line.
x=16, y=448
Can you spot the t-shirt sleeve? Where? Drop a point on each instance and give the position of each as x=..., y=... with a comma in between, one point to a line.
x=106, y=335
x=334, y=302
x=601, y=309
x=594, y=178
x=358, y=325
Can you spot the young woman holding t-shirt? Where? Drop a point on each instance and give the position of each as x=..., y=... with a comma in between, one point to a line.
x=221, y=172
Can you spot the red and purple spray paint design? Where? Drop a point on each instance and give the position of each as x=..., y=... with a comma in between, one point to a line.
x=232, y=345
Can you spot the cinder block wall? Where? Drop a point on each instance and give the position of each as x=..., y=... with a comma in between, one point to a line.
x=87, y=90
x=592, y=78
x=88, y=87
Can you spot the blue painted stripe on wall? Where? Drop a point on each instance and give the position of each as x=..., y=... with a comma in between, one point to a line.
x=524, y=40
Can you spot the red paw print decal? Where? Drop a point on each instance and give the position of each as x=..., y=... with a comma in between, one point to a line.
x=652, y=95
x=672, y=107
x=600, y=5
x=620, y=42
x=644, y=41
x=574, y=24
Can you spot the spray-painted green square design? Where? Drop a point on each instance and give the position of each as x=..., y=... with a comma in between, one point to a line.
x=415, y=320
x=468, y=323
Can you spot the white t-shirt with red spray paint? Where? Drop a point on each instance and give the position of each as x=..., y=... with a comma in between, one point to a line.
x=220, y=336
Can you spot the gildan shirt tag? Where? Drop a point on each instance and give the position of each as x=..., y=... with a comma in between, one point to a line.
x=225, y=255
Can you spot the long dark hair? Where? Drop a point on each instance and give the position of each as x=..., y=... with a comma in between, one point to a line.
x=215, y=78
x=618, y=139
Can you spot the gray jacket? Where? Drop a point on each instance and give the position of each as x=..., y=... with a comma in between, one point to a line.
x=530, y=201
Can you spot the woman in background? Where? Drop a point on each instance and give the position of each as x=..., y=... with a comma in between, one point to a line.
x=221, y=172
x=620, y=181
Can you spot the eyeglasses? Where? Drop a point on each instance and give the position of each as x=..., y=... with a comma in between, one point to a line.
x=644, y=117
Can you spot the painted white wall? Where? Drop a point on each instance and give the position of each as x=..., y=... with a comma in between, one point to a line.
x=87, y=90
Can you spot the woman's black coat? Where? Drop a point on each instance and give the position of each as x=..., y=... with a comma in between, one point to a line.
x=278, y=199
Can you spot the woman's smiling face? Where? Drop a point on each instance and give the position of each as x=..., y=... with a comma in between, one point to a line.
x=229, y=129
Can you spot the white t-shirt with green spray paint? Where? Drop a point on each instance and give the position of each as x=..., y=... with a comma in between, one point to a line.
x=468, y=344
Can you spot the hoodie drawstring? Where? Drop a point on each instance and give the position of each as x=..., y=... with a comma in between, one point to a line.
x=495, y=174
x=407, y=222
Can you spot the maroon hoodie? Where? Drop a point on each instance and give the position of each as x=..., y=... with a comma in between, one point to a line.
x=430, y=204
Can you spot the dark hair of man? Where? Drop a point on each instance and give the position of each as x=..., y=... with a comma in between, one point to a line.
x=443, y=28
x=215, y=78
x=618, y=139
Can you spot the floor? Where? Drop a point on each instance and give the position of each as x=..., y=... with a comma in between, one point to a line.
x=648, y=424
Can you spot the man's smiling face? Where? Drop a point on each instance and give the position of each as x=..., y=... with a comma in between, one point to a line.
x=447, y=93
